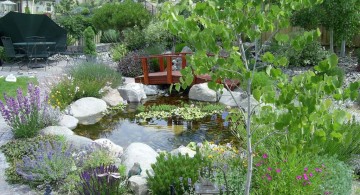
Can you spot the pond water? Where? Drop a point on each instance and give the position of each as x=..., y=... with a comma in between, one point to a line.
x=123, y=128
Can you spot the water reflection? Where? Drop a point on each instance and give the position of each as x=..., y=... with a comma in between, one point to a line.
x=122, y=128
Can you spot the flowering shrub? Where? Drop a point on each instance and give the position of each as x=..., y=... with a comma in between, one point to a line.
x=296, y=174
x=84, y=80
x=26, y=115
x=48, y=161
x=104, y=180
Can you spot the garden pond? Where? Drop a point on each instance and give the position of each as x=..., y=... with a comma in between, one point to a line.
x=123, y=128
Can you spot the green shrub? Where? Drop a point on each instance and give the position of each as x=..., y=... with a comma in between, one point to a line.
x=89, y=45
x=339, y=72
x=120, y=16
x=179, y=47
x=347, y=146
x=96, y=157
x=357, y=53
x=2, y=54
x=260, y=80
x=85, y=80
x=155, y=33
x=311, y=54
x=134, y=38
x=110, y=36
x=118, y=51
x=180, y=171
x=130, y=65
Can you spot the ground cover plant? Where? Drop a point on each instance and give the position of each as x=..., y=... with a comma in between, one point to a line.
x=84, y=80
x=27, y=115
x=11, y=88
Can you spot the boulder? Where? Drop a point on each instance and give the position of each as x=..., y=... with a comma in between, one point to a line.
x=140, y=153
x=151, y=89
x=138, y=185
x=115, y=150
x=10, y=78
x=69, y=122
x=240, y=97
x=56, y=130
x=132, y=92
x=78, y=142
x=183, y=151
x=112, y=97
x=88, y=110
x=186, y=49
x=201, y=92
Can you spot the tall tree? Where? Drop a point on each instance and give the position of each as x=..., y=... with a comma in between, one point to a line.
x=215, y=26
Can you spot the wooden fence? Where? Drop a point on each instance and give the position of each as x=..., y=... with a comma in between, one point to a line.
x=324, y=38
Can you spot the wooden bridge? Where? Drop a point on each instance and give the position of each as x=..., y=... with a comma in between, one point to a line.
x=167, y=75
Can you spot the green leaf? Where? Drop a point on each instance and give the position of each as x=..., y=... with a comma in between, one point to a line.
x=336, y=135
x=283, y=61
x=268, y=57
x=282, y=38
x=177, y=87
x=333, y=60
x=257, y=94
x=320, y=133
x=354, y=86
x=268, y=69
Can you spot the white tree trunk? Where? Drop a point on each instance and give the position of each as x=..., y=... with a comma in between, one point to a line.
x=331, y=32
x=343, y=48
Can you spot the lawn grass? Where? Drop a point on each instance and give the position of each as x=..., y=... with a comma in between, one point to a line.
x=10, y=88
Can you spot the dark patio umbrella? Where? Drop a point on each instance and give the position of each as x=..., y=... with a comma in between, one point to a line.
x=18, y=26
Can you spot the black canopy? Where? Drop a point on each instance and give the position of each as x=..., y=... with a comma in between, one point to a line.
x=18, y=26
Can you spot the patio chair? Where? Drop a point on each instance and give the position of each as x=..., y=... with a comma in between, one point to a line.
x=10, y=52
x=38, y=51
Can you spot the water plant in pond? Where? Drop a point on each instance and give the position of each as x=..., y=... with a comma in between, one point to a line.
x=186, y=112
x=26, y=115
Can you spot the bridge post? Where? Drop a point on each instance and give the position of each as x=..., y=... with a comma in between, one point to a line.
x=145, y=70
x=183, y=60
x=169, y=69
x=161, y=63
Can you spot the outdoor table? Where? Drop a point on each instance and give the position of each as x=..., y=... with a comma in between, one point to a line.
x=26, y=46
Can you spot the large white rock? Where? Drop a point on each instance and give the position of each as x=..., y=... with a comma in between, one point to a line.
x=88, y=110
x=132, y=92
x=78, y=142
x=10, y=78
x=201, y=92
x=183, y=151
x=56, y=130
x=138, y=185
x=115, y=150
x=112, y=97
x=240, y=98
x=140, y=153
x=151, y=89
x=69, y=122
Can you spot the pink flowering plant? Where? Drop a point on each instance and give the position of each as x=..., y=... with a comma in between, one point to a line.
x=26, y=115
x=288, y=174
